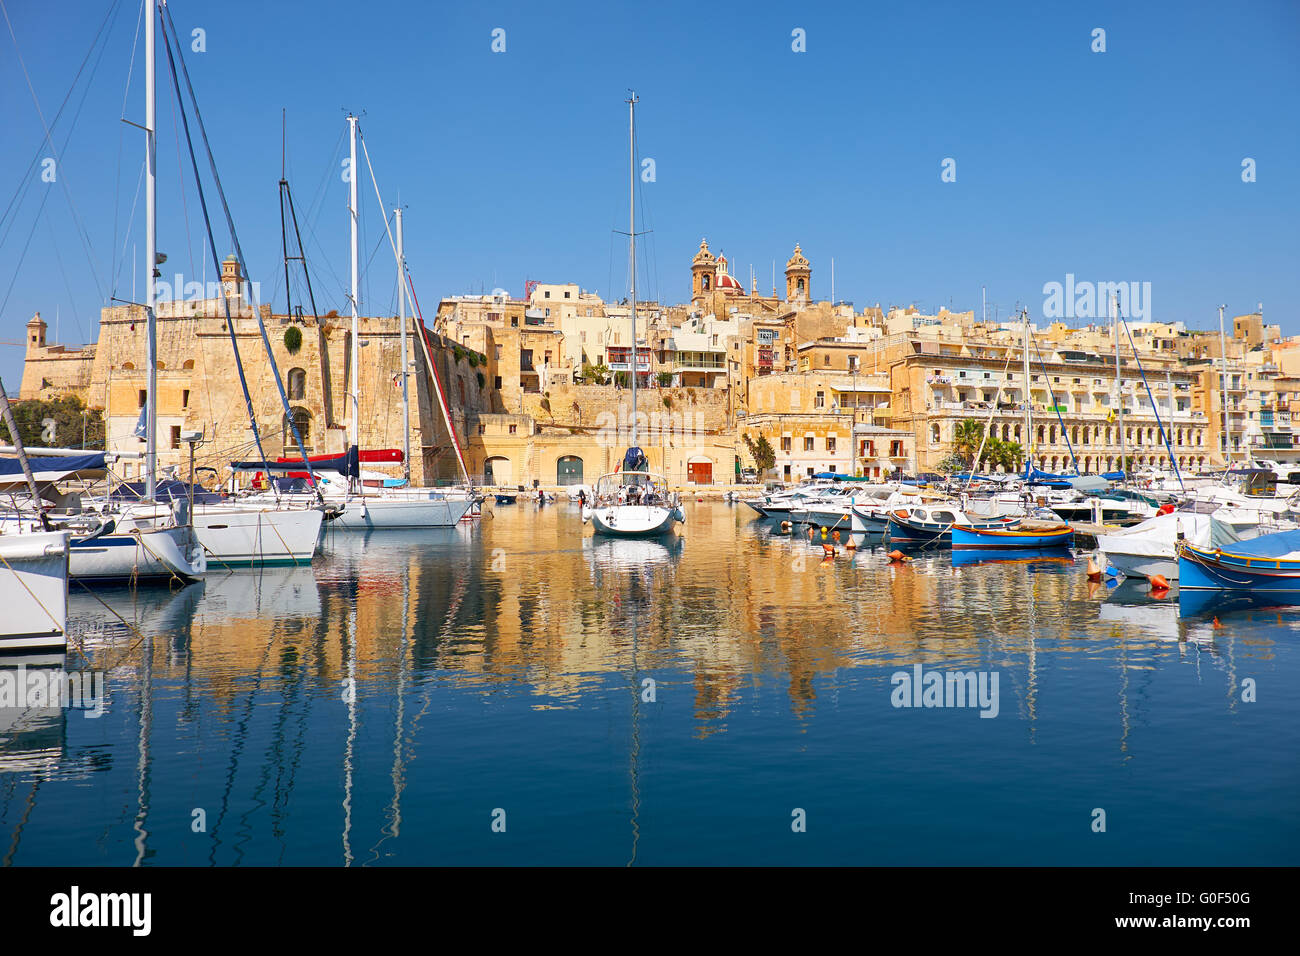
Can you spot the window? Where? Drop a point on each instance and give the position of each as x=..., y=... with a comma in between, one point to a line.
x=498, y=353
x=185, y=398
x=497, y=383
x=546, y=294
x=302, y=422
x=566, y=294
x=297, y=385
x=830, y=442
x=512, y=429
x=144, y=397
x=820, y=400
x=826, y=360
x=785, y=444
x=808, y=443
x=176, y=436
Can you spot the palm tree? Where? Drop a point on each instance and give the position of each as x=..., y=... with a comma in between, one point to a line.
x=1010, y=455
x=966, y=438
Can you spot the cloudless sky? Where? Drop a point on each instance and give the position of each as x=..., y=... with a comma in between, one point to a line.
x=1115, y=166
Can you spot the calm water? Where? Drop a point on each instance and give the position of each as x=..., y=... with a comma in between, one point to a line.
x=379, y=706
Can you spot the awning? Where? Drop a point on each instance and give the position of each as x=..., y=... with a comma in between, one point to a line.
x=47, y=471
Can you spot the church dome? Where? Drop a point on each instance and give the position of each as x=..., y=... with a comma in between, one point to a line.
x=726, y=282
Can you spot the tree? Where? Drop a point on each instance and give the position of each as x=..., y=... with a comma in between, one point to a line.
x=966, y=437
x=665, y=379
x=762, y=452
x=69, y=413
x=1010, y=455
x=596, y=374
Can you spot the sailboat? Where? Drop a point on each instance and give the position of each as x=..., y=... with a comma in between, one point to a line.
x=33, y=572
x=365, y=509
x=149, y=541
x=632, y=501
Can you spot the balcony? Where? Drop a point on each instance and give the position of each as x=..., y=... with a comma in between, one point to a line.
x=938, y=380
x=695, y=364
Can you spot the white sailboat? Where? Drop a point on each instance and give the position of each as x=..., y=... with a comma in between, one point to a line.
x=33, y=573
x=633, y=502
x=367, y=509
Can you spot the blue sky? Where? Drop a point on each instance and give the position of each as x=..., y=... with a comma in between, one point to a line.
x=1115, y=166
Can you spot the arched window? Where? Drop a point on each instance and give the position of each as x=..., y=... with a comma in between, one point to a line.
x=302, y=422
x=934, y=433
x=188, y=365
x=297, y=385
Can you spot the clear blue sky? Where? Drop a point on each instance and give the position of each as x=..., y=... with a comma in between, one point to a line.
x=1115, y=166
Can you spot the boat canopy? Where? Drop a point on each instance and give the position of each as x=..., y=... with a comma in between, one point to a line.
x=1282, y=544
x=348, y=463
x=47, y=471
x=166, y=490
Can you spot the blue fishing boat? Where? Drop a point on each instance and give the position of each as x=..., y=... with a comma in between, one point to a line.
x=1270, y=562
x=505, y=499
x=1003, y=538
x=933, y=524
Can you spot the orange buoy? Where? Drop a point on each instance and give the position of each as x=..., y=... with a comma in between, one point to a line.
x=1094, y=572
x=897, y=556
x=835, y=534
x=850, y=545
x=1216, y=623
x=811, y=532
x=1158, y=582
x=828, y=550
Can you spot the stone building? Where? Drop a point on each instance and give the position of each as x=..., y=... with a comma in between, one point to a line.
x=199, y=387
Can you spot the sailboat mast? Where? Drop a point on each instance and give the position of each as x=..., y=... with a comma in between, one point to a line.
x=631, y=229
x=1223, y=393
x=150, y=254
x=401, y=299
x=354, y=432
x=1029, y=408
x=1119, y=392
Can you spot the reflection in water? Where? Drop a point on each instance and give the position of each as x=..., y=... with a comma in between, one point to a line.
x=642, y=701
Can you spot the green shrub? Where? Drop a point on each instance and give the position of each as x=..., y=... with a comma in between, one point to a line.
x=292, y=339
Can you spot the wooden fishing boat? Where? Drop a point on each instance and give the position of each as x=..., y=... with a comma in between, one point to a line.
x=1003, y=539
x=1270, y=562
x=933, y=524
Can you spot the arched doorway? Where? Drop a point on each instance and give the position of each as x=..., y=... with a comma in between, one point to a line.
x=568, y=470
x=497, y=471
x=699, y=471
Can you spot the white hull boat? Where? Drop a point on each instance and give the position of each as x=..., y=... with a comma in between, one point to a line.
x=403, y=510
x=633, y=521
x=34, y=582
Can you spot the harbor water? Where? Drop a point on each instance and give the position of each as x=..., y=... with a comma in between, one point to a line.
x=517, y=691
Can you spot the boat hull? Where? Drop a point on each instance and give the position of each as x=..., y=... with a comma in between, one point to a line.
x=141, y=557
x=997, y=539
x=1200, y=569
x=255, y=537
x=378, y=513
x=34, y=580
x=633, y=521
x=1143, y=565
